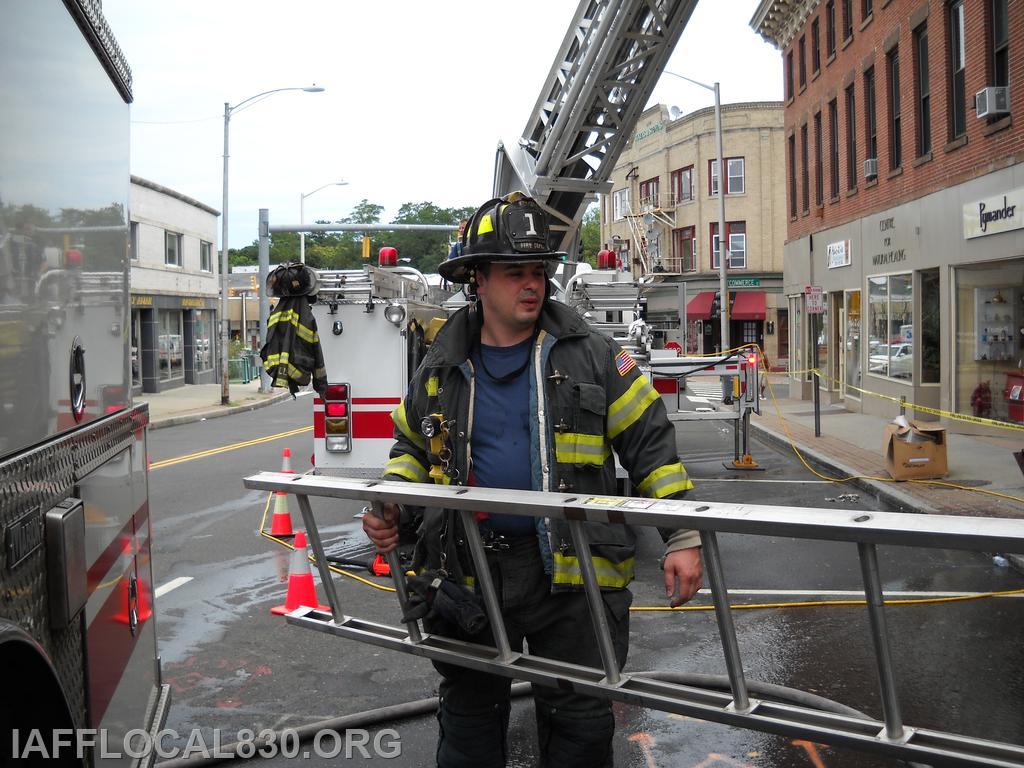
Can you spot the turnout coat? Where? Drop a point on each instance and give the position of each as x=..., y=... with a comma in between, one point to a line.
x=587, y=398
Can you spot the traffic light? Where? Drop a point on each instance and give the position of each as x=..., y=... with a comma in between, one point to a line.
x=716, y=306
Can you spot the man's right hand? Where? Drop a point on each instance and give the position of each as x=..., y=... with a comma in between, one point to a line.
x=383, y=532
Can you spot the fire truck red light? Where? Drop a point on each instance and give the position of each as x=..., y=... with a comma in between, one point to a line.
x=336, y=392
x=337, y=409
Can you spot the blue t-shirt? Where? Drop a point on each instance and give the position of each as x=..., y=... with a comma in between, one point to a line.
x=501, y=428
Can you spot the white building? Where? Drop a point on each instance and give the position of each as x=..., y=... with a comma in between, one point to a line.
x=175, y=288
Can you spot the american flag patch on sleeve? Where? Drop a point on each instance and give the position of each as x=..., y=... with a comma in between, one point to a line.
x=624, y=363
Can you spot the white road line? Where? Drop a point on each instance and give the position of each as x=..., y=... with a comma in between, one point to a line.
x=172, y=584
x=847, y=593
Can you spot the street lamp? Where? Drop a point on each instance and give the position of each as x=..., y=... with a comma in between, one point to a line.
x=723, y=249
x=302, y=214
x=225, y=322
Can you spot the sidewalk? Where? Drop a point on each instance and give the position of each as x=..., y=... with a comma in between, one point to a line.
x=851, y=444
x=194, y=402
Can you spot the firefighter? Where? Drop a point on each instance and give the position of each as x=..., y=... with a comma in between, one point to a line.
x=517, y=392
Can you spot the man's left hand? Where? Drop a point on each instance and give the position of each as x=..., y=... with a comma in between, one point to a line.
x=683, y=575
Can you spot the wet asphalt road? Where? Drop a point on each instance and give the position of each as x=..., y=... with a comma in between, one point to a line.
x=233, y=666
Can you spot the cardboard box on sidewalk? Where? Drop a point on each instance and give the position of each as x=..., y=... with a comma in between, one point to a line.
x=915, y=450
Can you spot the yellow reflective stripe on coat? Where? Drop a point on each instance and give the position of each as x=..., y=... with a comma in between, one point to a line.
x=609, y=574
x=431, y=386
x=398, y=417
x=575, y=448
x=664, y=481
x=630, y=406
x=291, y=317
x=408, y=467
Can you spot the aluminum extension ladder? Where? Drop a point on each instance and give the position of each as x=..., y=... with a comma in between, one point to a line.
x=891, y=737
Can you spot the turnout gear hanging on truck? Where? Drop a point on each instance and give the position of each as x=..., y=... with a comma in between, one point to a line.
x=292, y=354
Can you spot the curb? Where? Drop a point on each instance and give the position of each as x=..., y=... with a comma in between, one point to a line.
x=216, y=412
x=904, y=502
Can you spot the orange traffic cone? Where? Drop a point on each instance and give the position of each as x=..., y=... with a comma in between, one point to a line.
x=281, y=523
x=301, y=589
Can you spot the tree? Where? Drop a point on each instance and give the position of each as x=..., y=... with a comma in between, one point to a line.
x=590, y=234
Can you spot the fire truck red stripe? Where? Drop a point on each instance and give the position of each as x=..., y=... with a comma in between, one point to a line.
x=115, y=548
x=372, y=424
x=376, y=400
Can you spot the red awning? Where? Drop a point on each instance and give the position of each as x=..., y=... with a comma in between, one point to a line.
x=749, y=305
x=699, y=307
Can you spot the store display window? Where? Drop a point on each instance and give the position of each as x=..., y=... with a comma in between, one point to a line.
x=990, y=340
x=891, y=326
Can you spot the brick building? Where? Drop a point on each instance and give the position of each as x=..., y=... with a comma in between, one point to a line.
x=661, y=219
x=905, y=199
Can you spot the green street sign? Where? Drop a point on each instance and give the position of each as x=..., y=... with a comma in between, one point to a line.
x=744, y=282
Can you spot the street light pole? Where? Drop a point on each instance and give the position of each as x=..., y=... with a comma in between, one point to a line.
x=302, y=214
x=723, y=247
x=225, y=323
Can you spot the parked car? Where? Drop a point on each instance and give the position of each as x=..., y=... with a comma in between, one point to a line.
x=895, y=360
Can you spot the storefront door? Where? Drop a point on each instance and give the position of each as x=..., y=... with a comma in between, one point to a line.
x=851, y=349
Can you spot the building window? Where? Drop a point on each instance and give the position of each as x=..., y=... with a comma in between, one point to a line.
x=620, y=204
x=802, y=61
x=203, y=332
x=737, y=234
x=830, y=28
x=684, y=249
x=890, y=326
x=957, y=68
x=205, y=256
x=172, y=249
x=682, y=184
x=867, y=8
x=750, y=332
x=870, y=115
x=923, y=92
x=805, y=181
x=735, y=168
x=789, y=76
x=649, y=194
x=851, y=139
x=792, y=176
x=133, y=241
x=1000, y=43
x=892, y=62
x=815, y=45
x=833, y=148
x=819, y=169
x=847, y=19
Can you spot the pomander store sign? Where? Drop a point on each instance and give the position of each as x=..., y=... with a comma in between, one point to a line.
x=994, y=214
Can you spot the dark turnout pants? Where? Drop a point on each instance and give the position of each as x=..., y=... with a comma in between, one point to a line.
x=573, y=730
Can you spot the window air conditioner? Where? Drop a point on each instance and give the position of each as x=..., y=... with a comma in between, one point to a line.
x=871, y=168
x=994, y=100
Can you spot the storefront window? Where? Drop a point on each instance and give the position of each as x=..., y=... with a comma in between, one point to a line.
x=171, y=346
x=989, y=331
x=203, y=328
x=136, y=348
x=931, y=349
x=853, y=330
x=890, y=315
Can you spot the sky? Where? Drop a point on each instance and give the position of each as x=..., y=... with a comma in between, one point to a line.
x=418, y=94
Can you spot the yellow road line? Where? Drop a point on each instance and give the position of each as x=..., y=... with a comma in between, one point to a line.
x=226, y=448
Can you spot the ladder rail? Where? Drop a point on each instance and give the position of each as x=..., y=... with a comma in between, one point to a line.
x=865, y=529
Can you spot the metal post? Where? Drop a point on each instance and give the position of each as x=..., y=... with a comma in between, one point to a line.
x=397, y=576
x=321, y=560
x=225, y=390
x=302, y=234
x=817, y=404
x=720, y=596
x=903, y=405
x=723, y=241
x=263, y=255
x=736, y=440
x=597, y=610
x=880, y=637
x=483, y=576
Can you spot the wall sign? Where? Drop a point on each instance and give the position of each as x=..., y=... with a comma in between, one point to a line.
x=838, y=254
x=815, y=299
x=994, y=214
x=648, y=131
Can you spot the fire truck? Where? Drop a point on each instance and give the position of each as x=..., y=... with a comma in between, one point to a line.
x=78, y=643
x=374, y=326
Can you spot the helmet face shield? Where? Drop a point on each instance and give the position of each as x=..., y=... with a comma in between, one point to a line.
x=509, y=229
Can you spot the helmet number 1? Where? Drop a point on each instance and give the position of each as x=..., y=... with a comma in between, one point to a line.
x=532, y=230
